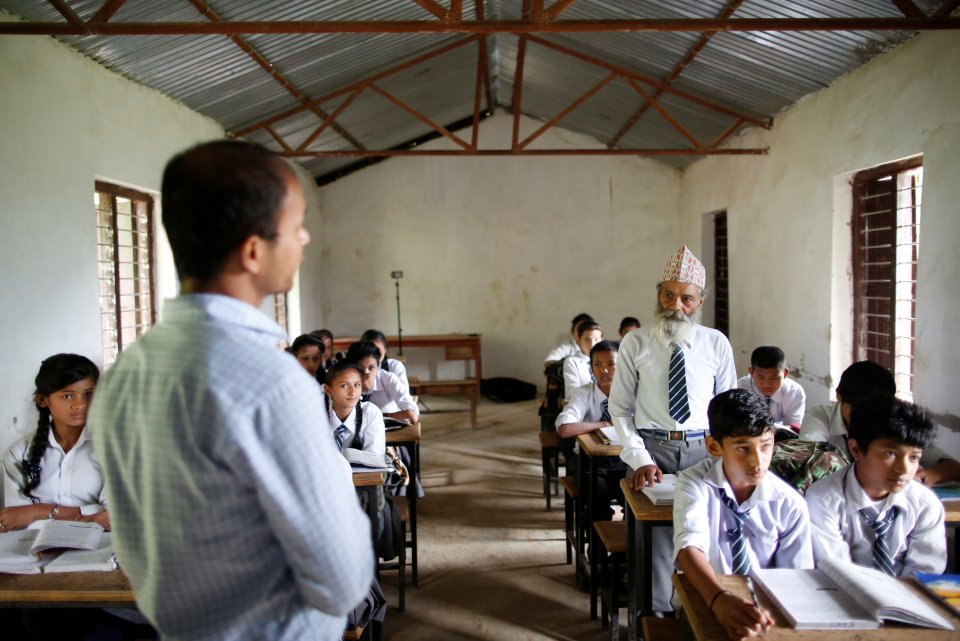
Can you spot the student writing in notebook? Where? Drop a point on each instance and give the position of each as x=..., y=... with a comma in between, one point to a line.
x=587, y=412
x=873, y=512
x=576, y=368
x=569, y=348
x=730, y=516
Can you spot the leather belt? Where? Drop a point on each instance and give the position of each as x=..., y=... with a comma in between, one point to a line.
x=674, y=435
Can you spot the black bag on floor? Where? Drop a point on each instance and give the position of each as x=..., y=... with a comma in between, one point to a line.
x=507, y=390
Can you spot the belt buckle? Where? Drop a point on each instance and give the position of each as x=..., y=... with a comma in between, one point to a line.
x=676, y=436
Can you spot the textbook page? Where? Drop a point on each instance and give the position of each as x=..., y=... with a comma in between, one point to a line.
x=811, y=601
x=54, y=535
x=15, y=556
x=102, y=559
x=883, y=596
x=610, y=434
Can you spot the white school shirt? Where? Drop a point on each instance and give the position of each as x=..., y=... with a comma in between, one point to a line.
x=824, y=423
x=576, y=372
x=399, y=370
x=372, y=431
x=233, y=514
x=585, y=406
x=777, y=529
x=389, y=394
x=917, y=539
x=562, y=351
x=73, y=479
x=638, y=397
x=786, y=404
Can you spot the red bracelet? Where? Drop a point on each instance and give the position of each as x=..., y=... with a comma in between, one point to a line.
x=716, y=596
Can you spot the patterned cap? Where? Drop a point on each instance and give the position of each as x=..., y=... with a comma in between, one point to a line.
x=684, y=267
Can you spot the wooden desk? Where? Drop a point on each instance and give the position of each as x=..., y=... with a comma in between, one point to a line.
x=591, y=448
x=366, y=484
x=66, y=590
x=641, y=516
x=409, y=436
x=699, y=623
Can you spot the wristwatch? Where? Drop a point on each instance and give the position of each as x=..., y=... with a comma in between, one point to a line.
x=54, y=511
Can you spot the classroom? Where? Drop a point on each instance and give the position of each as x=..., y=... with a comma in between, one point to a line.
x=506, y=247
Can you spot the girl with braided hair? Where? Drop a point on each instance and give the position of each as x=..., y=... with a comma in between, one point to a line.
x=51, y=474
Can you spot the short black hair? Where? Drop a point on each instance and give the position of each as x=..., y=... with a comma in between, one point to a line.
x=604, y=346
x=629, y=321
x=768, y=357
x=586, y=326
x=865, y=378
x=306, y=340
x=738, y=412
x=215, y=196
x=886, y=416
x=375, y=335
x=579, y=318
x=361, y=350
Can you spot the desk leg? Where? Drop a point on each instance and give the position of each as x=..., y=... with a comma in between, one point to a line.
x=645, y=547
x=592, y=552
x=633, y=574
x=583, y=565
x=412, y=502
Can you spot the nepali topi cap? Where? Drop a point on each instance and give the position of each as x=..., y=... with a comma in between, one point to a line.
x=684, y=267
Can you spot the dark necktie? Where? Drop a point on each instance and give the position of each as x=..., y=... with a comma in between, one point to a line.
x=365, y=398
x=677, y=403
x=605, y=414
x=882, y=559
x=339, y=435
x=738, y=542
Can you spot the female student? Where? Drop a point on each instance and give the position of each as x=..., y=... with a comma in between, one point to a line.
x=392, y=365
x=309, y=351
x=385, y=389
x=326, y=336
x=51, y=474
x=576, y=368
x=355, y=425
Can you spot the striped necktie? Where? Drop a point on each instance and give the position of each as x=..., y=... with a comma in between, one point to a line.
x=677, y=403
x=605, y=414
x=738, y=542
x=339, y=435
x=882, y=559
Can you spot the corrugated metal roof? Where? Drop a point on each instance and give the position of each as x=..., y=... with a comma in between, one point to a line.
x=757, y=73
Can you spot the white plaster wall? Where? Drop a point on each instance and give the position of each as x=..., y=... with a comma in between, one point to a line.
x=511, y=248
x=788, y=217
x=65, y=121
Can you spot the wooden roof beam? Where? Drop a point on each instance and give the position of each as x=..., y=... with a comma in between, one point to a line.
x=106, y=12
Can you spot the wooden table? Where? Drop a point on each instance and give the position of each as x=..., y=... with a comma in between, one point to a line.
x=66, y=590
x=410, y=436
x=591, y=448
x=699, y=623
x=641, y=516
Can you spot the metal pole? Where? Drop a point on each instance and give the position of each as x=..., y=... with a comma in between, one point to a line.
x=399, y=327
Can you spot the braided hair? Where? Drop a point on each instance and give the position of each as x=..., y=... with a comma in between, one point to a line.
x=332, y=373
x=55, y=373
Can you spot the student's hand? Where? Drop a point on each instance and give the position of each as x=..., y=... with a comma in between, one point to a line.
x=19, y=517
x=740, y=618
x=103, y=518
x=646, y=476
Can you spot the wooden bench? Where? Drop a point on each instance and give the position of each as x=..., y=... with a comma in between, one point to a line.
x=570, y=495
x=550, y=456
x=612, y=543
x=465, y=387
x=656, y=629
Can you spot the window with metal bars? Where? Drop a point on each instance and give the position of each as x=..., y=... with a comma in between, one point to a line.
x=124, y=266
x=721, y=278
x=886, y=239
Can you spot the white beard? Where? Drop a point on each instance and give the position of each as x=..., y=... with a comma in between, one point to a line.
x=674, y=327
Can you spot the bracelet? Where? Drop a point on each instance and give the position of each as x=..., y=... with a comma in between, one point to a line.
x=716, y=596
x=54, y=511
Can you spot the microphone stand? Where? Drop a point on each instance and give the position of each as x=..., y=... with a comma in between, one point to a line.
x=399, y=327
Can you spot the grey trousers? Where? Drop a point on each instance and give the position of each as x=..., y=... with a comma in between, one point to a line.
x=670, y=457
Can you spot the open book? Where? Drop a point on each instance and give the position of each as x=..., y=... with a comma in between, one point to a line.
x=840, y=594
x=608, y=435
x=57, y=546
x=363, y=461
x=662, y=493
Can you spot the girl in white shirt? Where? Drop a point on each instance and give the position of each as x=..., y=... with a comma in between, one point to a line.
x=576, y=368
x=51, y=474
x=391, y=365
x=385, y=389
x=309, y=352
x=363, y=421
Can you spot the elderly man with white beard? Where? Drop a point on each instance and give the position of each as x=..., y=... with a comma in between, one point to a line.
x=666, y=375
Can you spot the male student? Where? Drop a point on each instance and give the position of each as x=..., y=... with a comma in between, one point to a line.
x=731, y=517
x=587, y=412
x=768, y=377
x=872, y=512
x=233, y=513
x=860, y=380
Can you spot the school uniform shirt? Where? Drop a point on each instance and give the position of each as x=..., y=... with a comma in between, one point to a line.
x=824, y=423
x=71, y=479
x=576, y=372
x=560, y=352
x=399, y=370
x=585, y=405
x=372, y=435
x=233, y=514
x=786, y=404
x=917, y=539
x=389, y=394
x=777, y=529
x=638, y=397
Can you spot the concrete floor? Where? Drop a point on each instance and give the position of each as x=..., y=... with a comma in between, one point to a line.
x=491, y=557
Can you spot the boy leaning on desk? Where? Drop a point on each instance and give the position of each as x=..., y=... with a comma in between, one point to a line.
x=730, y=516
